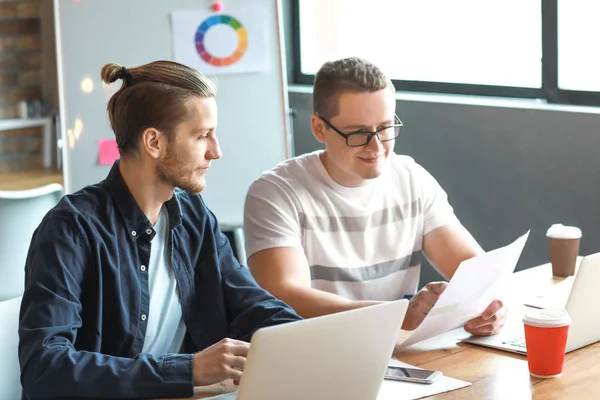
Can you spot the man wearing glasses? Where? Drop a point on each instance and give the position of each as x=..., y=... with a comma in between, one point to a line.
x=346, y=227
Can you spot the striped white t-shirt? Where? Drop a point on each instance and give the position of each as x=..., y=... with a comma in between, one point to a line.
x=363, y=243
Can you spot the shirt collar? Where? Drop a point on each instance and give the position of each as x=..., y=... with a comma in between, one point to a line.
x=135, y=220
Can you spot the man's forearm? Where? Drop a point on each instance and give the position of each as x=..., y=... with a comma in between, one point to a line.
x=64, y=373
x=250, y=307
x=309, y=302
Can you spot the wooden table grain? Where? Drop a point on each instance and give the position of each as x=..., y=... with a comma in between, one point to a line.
x=29, y=179
x=495, y=374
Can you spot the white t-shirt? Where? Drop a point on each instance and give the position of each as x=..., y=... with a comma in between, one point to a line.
x=363, y=243
x=166, y=329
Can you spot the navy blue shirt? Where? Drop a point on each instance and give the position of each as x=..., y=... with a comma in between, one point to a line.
x=84, y=311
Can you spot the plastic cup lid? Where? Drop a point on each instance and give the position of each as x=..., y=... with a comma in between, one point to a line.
x=547, y=318
x=560, y=231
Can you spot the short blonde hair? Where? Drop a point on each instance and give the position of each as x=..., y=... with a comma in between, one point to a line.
x=346, y=75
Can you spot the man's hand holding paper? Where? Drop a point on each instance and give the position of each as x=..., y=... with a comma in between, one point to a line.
x=491, y=320
x=420, y=305
x=471, y=297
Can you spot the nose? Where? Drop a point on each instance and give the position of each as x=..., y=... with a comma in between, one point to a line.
x=375, y=144
x=213, y=151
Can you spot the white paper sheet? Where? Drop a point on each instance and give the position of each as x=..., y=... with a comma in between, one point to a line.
x=397, y=390
x=476, y=283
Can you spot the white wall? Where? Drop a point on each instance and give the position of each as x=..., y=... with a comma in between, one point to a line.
x=253, y=122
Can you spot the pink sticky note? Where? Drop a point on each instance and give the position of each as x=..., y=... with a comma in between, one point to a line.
x=108, y=151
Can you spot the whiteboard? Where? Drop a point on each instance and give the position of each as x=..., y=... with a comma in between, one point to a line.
x=253, y=127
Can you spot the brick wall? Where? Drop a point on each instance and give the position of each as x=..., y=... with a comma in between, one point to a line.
x=20, y=79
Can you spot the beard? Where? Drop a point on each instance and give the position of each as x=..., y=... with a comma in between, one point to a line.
x=175, y=171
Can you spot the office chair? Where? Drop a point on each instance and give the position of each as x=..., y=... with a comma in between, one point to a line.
x=235, y=234
x=21, y=211
x=10, y=383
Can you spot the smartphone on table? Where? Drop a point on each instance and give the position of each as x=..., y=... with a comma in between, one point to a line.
x=412, y=374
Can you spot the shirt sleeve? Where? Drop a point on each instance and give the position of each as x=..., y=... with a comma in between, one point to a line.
x=436, y=208
x=57, y=266
x=249, y=306
x=271, y=217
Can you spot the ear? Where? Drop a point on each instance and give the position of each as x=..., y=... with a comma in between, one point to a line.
x=154, y=142
x=318, y=128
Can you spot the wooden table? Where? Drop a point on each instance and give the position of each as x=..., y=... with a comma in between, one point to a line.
x=496, y=374
x=29, y=179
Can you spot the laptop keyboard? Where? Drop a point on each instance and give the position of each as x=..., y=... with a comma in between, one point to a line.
x=517, y=342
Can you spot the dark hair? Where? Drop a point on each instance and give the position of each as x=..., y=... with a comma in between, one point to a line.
x=152, y=95
x=346, y=75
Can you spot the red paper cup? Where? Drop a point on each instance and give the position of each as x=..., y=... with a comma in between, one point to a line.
x=546, y=338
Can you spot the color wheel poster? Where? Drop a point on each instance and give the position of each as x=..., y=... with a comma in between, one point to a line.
x=232, y=41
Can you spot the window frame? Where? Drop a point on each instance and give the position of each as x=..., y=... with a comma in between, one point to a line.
x=549, y=90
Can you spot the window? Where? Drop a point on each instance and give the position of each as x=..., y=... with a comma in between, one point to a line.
x=514, y=48
x=428, y=40
x=578, y=50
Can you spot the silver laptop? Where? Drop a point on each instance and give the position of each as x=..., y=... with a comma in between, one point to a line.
x=583, y=306
x=337, y=356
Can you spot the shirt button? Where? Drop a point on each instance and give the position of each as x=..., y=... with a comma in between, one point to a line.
x=148, y=231
x=143, y=317
x=143, y=268
x=133, y=233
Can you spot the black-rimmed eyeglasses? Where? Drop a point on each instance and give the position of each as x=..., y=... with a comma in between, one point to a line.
x=363, y=137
